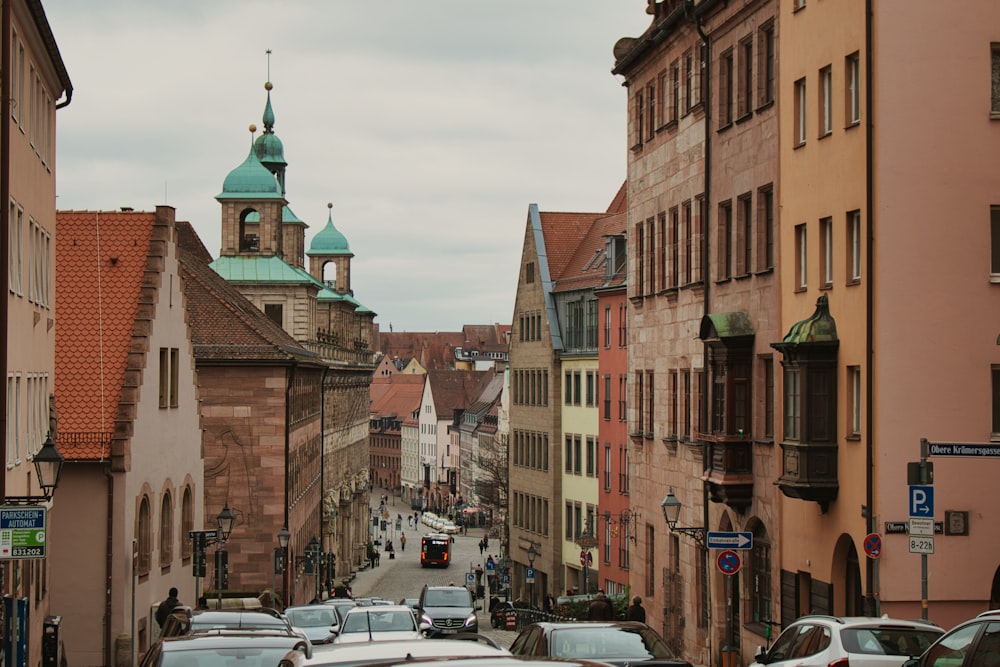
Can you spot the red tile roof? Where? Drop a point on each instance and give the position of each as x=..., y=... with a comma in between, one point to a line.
x=103, y=258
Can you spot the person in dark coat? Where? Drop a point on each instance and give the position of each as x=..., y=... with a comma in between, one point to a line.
x=636, y=612
x=600, y=608
x=164, y=608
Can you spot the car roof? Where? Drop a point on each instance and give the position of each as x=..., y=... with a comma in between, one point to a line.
x=223, y=638
x=582, y=625
x=396, y=649
x=869, y=621
x=495, y=661
x=378, y=609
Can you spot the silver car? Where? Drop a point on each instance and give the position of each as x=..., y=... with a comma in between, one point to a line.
x=377, y=623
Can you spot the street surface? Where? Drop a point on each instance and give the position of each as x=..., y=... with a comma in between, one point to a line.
x=403, y=577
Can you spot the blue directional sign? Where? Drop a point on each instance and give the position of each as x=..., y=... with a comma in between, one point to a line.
x=491, y=566
x=726, y=540
x=921, y=501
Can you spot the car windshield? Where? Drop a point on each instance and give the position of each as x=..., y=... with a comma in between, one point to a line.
x=607, y=642
x=313, y=617
x=379, y=621
x=212, y=620
x=225, y=657
x=447, y=598
x=887, y=641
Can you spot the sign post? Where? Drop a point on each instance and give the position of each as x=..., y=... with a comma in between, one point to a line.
x=921, y=504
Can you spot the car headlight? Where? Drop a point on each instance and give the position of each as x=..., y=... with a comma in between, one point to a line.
x=471, y=620
x=424, y=618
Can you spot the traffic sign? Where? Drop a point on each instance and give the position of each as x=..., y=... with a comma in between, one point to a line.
x=207, y=534
x=921, y=527
x=529, y=575
x=586, y=558
x=728, y=540
x=921, y=545
x=873, y=545
x=921, y=501
x=728, y=562
x=470, y=578
x=22, y=533
x=505, y=580
x=970, y=449
x=491, y=566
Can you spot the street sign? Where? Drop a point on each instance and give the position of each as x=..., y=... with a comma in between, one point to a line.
x=922, y=527
x=586, y=558
x=727, y=540
x=971, y=449
x=903, y=527
x=921, y=501
x=491, y=566
x=22, y=533
x=728, y=562
x=921, y=545
x=505, y=580
x=205, y=534
x=873, y=545
x=529, y=575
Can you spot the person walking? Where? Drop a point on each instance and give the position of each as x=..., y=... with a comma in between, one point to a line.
x=402, y=542
x=600, y=608
x=164, y=608
x=636, y=612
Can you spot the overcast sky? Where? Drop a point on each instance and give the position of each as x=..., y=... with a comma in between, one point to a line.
x=430, y=126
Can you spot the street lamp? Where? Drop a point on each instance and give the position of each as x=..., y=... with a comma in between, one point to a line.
x=532, y=553
x=48, y=468
x=671, y=507
x=226, y=519
x=283, y=538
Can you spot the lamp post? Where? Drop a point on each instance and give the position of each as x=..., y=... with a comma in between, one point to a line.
x=48, y=463
x=314, y=555
x=671, y=507
x=283, y=537
x=226, y=519
x=532, y=553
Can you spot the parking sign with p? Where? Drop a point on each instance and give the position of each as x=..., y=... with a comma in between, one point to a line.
x=921, y=501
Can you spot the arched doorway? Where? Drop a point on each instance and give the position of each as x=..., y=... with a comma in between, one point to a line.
x=848, y=599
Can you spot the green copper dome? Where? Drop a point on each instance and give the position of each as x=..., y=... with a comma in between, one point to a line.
x=329, y=241
x=250, y=179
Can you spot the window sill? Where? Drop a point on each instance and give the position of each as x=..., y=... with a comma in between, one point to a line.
x=854, y=437
x=801, y=289
x=762, y=272
x=853, y=124
x=670, y=125
x=828, y=133
x=722, y=281
x=742, y=276
x=765, y=105
x=799, y=144
x=826, y=287
x=744, y=117
x=853, y=282
x=724, y=127
x=995, y=278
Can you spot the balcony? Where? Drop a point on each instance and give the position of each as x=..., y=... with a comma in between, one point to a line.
x=730, y=471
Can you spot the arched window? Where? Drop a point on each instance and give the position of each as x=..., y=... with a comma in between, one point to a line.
x=187, y=522
x=143, y=535
x=166, y=529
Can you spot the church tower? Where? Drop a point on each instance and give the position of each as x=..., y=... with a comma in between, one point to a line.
x=330, y=246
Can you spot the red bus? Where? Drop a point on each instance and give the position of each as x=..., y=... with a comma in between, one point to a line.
x=435, y=549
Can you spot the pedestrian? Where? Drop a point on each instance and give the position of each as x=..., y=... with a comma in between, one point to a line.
x=600, y=608
x=636, y=611
x=371, y=556
x=164, y=608
x=202, y=603
x=402, y=542
x=377, y=555
x=549, y=603
x=481, y=547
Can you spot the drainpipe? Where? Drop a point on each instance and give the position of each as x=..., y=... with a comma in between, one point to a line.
x=109, y=563
x=870, y=572
x=288, y=430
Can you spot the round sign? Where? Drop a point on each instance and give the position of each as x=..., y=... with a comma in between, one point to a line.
x=873, y=545
x=583, y=558
x=728, y=562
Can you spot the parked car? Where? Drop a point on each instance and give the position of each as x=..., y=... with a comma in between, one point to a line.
x=377, y=622
x=446, y=610
x=973, y=643
x=319, y=622
x=184, y=621
x=360, y=654
x=857, y=641
x=254, y=648
x=620, y=643
x=341, y=605
x=458, y=659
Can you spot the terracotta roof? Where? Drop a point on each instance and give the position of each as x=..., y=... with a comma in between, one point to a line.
x=225, y=325
x=588, y=266
x=620, y=203
x=433, y=350
x=102, y=258
x=456, y=389
x=563, y=233
x=399, y=398
x=486, y=337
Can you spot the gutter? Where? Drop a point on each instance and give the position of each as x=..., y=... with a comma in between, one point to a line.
x=871, y=578
x=5, y=26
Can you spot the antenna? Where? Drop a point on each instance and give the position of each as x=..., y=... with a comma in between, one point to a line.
x=268, y=52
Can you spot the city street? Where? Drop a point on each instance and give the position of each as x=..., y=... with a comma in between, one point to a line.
x=403, y=577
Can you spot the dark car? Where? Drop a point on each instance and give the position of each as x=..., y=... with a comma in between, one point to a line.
x=446, y=610
x=224, y=647
x=973, y=643
x=179, y=624
x=319, y=622
x=621, y=643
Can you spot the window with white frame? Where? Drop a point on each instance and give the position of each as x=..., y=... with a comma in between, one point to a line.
x=854, y=401
x=853, y=92
x=854, y=252
x=825, y=101
x=826, y=252
x=800, y=257
x=607, y=466
x=800, y=112
x=15, y=259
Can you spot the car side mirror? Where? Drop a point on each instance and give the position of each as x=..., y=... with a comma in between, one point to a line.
x=761, y=655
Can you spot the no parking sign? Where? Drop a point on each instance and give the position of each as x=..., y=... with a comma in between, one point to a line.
x=728, y=562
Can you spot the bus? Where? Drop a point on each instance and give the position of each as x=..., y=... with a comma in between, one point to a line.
x=435, y=549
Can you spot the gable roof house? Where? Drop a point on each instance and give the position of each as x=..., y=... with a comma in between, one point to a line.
x=129, y=429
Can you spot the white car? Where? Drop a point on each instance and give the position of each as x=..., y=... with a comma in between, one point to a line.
x=857, y=641
x=449, y=528
x=377, y=623
x=357, y=655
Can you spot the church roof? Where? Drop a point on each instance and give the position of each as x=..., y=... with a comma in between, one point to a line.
x=329, y=240
x=250, y=179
